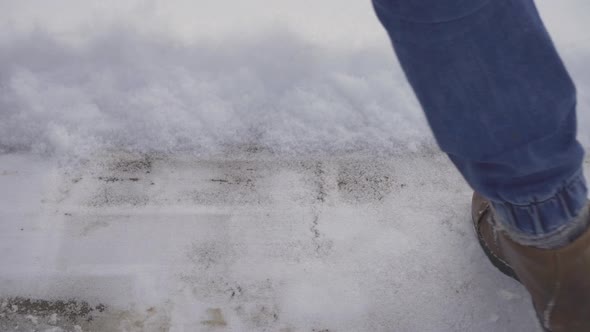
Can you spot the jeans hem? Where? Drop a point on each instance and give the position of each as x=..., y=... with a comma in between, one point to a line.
x=543, y=218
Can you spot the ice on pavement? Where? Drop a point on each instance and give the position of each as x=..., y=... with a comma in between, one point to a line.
x=180, y=166
x=165, y=243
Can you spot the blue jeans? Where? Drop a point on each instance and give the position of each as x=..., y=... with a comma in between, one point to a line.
x=499, y=101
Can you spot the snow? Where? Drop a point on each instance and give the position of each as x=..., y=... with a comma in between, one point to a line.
x=262, y=244
x=272, y=89
x=292, y=78
x=178, y=166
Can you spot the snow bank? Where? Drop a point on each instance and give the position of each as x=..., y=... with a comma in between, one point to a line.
x=273, y=91
x=193, y=77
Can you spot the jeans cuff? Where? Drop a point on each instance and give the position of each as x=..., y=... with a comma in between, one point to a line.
x=544, y=217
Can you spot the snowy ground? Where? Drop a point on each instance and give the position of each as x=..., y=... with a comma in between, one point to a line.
x=160, y=243
x=278, y=174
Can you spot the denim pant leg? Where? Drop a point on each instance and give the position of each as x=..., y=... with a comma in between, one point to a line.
x=499, y=101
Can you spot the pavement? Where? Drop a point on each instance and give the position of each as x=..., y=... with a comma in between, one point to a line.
x=134, y=242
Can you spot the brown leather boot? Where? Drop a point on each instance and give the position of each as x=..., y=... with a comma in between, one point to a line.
x=557, y=279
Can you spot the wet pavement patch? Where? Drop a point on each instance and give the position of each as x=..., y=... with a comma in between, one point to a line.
x=71, y=315
x=24, y=314
x=70, y=310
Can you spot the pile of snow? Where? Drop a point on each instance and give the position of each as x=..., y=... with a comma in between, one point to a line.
x=152, y=76
x=274, y=91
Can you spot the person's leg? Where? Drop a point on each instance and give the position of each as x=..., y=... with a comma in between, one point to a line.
x=503, y=107
x=499, y=101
